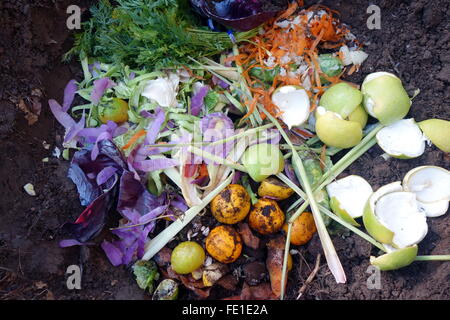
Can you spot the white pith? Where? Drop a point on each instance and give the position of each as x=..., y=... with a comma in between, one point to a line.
x=399, y=212
x=434, y=209
x=294, y=104
x=429, y=183
x=352, y=193
x=402, y=138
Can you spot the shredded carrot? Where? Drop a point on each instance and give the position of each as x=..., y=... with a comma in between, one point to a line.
x=134, y=138
x=290, y=10
x=278, y=45
x=352, y=70
x=252, y=106
x=192, y=74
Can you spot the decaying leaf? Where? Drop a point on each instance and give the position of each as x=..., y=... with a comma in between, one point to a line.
x=248, y=237
x=259, y=292
x=228, y=282
x=32, y=107
x=213, y=272
x=145, y=272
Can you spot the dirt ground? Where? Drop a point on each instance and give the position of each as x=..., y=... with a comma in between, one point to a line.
x=413, y=43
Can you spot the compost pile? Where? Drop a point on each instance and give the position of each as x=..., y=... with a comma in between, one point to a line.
x=198, y=146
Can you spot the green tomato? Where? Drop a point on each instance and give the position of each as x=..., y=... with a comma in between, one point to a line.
x=342, y=99
x=263, y=160
x=117, y=111
x=187, y=257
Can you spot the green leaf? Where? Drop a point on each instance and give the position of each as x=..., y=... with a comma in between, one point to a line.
x=211, y=100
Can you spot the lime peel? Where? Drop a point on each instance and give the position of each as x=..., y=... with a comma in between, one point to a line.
x=396, y=259
x=349, y=196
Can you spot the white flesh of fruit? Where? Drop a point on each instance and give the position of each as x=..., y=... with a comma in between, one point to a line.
x=434, y=209
x=399, y=212
x=352, y=192
x=430, y=184
x=294, y=104
x=402, y=138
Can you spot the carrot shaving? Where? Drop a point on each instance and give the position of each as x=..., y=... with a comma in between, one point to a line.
x=192, y=74
x=297, y=42
x=252, y=106
x=134, y=138
x=352, y=70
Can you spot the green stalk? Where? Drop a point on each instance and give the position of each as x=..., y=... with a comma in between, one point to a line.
x=338, y=168
x=158, y=242
x=330, y=253
x=285, y=259
x=443, y=257
x=216, y=159
x=351, y=156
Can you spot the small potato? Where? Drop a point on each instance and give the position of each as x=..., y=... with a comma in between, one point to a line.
x=303, y=229
x=266, y=217
x=231, y=205
x=275, y=189
x=224, y=244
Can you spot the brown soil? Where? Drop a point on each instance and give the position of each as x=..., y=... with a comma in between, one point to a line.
x=413, y=42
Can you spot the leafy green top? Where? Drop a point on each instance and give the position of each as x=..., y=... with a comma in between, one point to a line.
x=151, y=33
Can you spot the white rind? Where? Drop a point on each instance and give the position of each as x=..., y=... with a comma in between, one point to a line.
x=402, y=139
x=434, y=209
x=294, y=104
x=399, y=212
x=375, y=75
x=386, y=189
x=429, y=183
x=352, y=193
